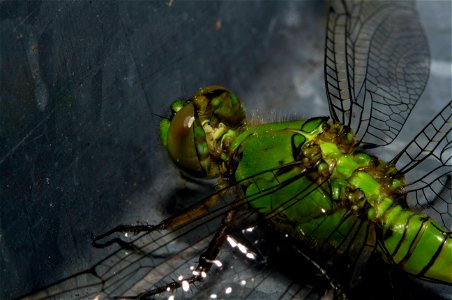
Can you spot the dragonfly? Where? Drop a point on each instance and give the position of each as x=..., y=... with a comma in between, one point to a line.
x=372, y=86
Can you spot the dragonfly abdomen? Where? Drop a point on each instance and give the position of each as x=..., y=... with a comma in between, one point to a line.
x=417, y=244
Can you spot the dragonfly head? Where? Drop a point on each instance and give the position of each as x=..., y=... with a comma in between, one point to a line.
x=199, y=130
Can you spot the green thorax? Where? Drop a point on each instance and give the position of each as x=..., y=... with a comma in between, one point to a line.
x=319, y=166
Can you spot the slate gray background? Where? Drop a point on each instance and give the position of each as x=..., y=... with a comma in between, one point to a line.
x=80, y=82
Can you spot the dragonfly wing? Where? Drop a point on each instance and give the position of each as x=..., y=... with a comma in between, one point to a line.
x=128, y=269
x=377, y=64
x=427, y=164
x=158, y=257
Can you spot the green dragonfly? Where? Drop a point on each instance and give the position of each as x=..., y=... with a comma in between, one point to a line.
x=305, y=189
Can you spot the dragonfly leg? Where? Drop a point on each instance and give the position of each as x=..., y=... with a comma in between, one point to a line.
x=171, y=223
x=335, y=288
x=118, y=229
x=205, y=262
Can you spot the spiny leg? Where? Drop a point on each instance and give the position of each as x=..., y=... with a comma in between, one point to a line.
x=170, y=223
x=205, y=261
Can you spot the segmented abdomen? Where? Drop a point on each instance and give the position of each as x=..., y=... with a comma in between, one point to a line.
x=417, y=244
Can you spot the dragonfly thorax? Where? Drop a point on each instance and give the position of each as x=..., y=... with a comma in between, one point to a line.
x=321, y=154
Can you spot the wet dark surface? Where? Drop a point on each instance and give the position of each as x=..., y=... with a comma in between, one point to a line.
x=80, y=87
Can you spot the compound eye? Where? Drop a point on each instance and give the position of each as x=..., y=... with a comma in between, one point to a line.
x=181, y=142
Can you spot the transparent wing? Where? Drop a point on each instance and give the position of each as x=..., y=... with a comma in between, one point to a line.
x=377, y=64
x=158, y=257
x=427, y=164
x=260, y=262
x=326, y=262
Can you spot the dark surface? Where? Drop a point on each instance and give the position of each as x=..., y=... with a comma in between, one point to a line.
x=79, y=85
x=80, y=82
